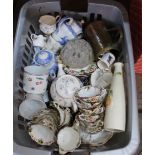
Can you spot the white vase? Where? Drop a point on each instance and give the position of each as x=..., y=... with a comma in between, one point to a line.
x=115, y=115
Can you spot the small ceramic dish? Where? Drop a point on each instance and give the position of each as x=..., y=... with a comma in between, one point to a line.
x=68, y=140
x=91, y=94
x=97, y=139
x=41, y=134
x=67, y=85
x=29, y=107
x=101, y=79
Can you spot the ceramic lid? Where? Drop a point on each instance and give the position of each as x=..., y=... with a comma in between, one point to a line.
x=44, y=57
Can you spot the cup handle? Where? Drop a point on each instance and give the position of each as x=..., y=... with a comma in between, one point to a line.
x=61, y=151
x=33, y=37
x=74, y=106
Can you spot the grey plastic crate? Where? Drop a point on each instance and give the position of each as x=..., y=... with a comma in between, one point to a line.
x=121, y=144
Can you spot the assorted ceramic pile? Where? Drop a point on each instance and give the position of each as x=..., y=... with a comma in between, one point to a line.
x=73, y=65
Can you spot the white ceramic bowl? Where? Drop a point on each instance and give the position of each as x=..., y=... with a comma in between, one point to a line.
x=28, y=108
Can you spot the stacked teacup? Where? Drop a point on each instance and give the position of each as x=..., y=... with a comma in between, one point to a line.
x=44, y=126
x=91, y=110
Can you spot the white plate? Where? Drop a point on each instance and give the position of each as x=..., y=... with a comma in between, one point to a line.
x=28, y=108
x=67, y=85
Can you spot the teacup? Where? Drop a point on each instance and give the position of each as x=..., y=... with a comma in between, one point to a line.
x=89, y=119
x=29, y=107
x=67, y=29
x=47, y=24
x=90, y=94
x=35, y=79
x=38, y=40
x=106, y=61
x=44, y=126
x=69, y=139
x=95, y=111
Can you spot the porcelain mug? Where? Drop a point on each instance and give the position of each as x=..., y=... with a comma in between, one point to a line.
x=35, y=79
x=38, y=40
x=107, y=58
x=47, y=24
x=67, y=30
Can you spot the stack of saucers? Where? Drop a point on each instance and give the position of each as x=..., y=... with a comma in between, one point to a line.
x=91, y=110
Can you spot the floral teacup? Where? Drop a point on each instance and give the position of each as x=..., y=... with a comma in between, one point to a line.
x=90, y=94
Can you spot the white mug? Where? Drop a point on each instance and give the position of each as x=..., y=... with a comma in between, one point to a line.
x=108, y=59
x=35, y=79
x=67, y=30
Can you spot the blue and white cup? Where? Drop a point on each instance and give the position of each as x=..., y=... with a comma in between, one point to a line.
x=67, y=29
x=105, y=61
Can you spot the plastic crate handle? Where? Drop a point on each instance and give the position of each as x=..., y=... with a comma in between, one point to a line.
x=74, y=5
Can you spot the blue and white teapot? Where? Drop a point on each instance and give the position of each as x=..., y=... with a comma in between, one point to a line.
x=67, y=29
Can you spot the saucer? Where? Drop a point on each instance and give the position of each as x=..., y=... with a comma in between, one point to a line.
x=77, y=54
